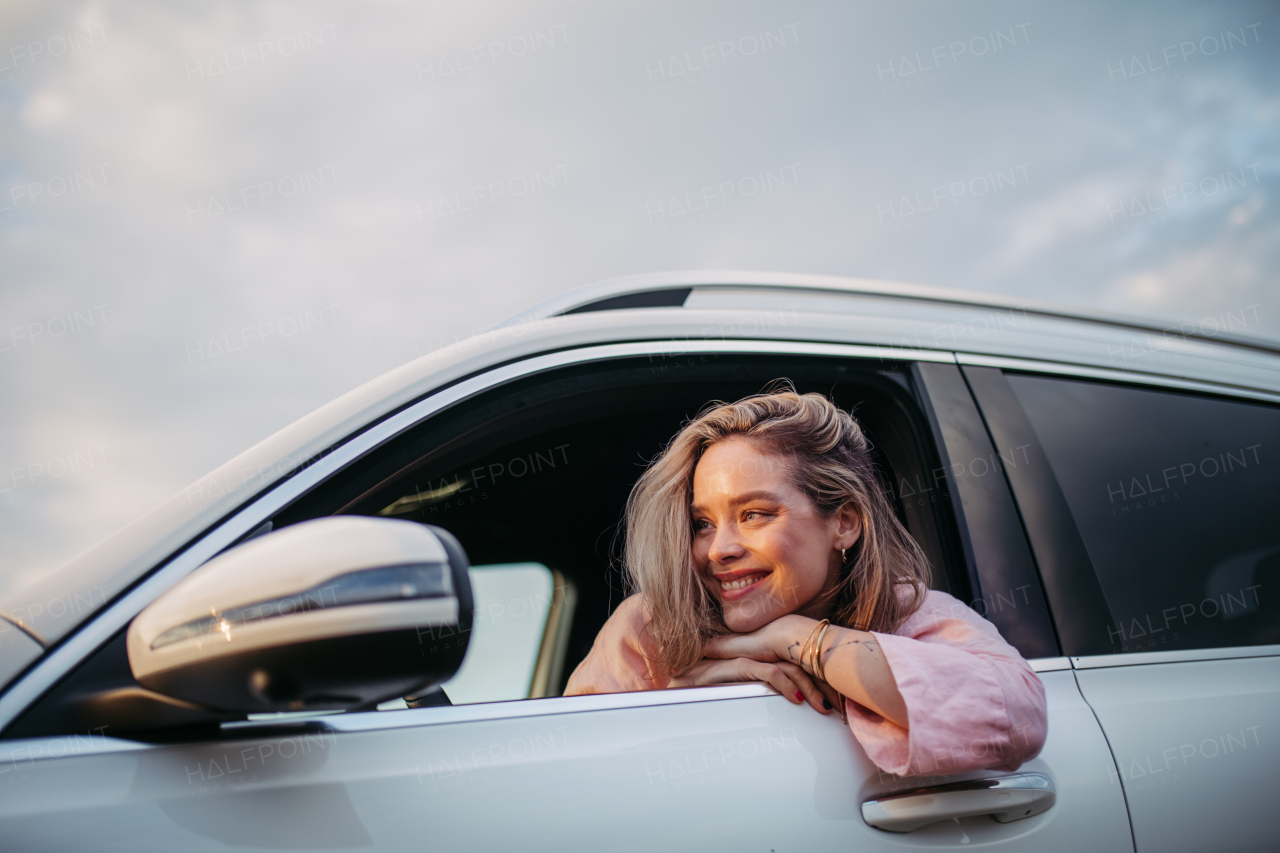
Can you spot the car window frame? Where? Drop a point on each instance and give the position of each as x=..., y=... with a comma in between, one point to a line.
x=987, y=514
x=59, y=661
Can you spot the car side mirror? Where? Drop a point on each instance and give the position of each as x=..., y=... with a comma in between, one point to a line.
x=337, y=613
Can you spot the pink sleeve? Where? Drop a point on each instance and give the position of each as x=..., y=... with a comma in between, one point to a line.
x=972, y=701
x=618, y=661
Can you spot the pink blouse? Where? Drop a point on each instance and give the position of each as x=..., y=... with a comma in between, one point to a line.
x=972, y=701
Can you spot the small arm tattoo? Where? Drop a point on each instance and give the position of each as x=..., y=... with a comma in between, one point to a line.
x=791, y=652
x=870, y=644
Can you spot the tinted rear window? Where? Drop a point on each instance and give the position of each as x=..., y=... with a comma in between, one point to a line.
x=1177, y=498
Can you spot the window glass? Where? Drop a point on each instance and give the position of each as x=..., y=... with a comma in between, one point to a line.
x=1177, y=498
x=511, y=606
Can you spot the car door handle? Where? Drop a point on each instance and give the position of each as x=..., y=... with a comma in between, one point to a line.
x=1006, y=798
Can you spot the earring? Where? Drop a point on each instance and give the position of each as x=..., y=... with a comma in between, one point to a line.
x=843, y=559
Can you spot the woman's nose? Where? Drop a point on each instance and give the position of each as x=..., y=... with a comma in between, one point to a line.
x=726, y=544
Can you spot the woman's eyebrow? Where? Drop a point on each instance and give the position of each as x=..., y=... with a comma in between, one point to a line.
x=745, y=498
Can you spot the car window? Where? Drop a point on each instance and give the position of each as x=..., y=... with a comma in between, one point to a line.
x=539, y=471
x=1176, y=497
x=512, y=603
x=532, y=478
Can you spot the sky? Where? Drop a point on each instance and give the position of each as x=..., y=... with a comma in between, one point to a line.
x=216, y=217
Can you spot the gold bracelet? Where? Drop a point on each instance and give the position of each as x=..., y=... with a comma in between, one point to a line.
x=804, y=647
x=822, y=674
x=817, y=632
x=817, y=665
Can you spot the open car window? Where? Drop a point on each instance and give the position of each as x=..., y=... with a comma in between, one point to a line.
x=531, y=477
x=538, y=472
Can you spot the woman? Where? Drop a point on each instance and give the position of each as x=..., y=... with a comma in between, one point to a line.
x=762, y=547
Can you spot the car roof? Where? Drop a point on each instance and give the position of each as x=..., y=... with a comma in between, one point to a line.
x=705, y=306
x=672, y=289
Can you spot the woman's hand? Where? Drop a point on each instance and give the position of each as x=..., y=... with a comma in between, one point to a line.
x=787, y=678
x=768, y=643
x=851, y=659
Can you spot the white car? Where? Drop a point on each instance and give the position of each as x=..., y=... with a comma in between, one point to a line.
x=223, y=672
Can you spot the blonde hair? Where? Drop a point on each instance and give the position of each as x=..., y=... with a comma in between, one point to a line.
x=829, y=460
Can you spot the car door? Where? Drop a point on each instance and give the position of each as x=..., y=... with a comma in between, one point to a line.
x=1161, y=504
x=727, y=767
x=730, y=767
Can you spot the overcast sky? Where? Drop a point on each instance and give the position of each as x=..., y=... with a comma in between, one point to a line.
x=338, y=188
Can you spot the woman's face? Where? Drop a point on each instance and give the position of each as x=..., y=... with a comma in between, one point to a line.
x=759, y=544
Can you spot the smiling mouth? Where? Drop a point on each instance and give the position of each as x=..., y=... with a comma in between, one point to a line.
x=742, y=582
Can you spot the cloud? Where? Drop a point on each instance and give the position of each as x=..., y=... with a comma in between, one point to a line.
x=203, y=170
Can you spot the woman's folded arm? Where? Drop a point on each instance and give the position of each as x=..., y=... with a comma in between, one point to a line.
x=972, y=701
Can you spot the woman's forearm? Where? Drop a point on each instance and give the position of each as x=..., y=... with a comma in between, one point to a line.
x=853, y=664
